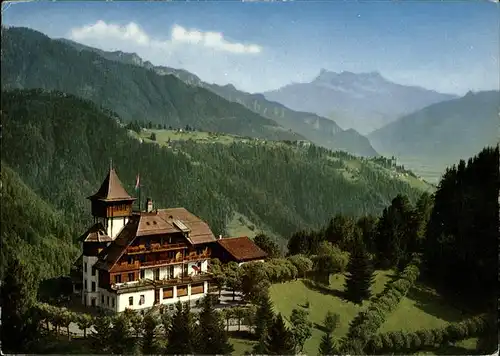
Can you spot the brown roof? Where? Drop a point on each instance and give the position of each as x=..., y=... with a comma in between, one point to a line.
x=153, y=224
x=96, y=233
x=165, y=221
x=242, y=248
x=179, y=218
x=112, y=253
x=111, y=189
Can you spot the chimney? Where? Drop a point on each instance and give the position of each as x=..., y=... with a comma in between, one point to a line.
x=220, y=237
x=149, y=205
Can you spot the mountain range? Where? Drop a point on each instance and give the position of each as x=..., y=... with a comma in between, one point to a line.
x=362, y=101
x=137, y=91
x=445, y=132
x=320, y=130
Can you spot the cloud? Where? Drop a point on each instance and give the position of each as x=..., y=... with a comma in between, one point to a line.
x=102, y=30
x=213, y=40
x=133, y=33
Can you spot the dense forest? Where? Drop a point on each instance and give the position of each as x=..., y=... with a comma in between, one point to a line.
x=455, y=231
x=61, y=147
x=32, y=231
x=32, y=60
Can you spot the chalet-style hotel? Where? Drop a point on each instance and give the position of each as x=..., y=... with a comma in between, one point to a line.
x=140, y=259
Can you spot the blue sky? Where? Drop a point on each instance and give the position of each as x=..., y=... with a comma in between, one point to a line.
x=447, y=46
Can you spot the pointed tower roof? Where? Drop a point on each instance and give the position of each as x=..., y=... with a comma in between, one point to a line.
x=112, y=189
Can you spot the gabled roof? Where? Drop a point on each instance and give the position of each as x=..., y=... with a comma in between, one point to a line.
x=111, y=189
x=183, y=221
x=96, y=233
x=242, y=248
x=163, y=221
x=112, y=253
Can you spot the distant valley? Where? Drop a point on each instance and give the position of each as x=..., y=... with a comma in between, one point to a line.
x=362, y=101
x=441, y=134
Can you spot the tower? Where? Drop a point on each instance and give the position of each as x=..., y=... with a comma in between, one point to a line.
x=112, y=205
x=111, y=209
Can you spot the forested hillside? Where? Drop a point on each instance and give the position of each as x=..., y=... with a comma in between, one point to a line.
x=33, y=60
x=61, y=147
x=320, y=130
x=32, y=230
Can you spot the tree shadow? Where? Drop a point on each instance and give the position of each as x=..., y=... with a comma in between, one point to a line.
x=323, y=289
x=243, y=334
x=431, y=303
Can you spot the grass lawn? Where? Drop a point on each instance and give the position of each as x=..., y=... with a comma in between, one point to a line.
x=421, y=308
x=241, y=345
x=162, y=136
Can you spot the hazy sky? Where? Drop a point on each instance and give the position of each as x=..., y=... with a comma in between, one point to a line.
x=447, y=46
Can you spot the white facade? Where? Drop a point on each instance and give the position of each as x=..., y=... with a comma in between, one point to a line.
x=113, y=226
x=90, y=291
x=146, y=298
x=118, y=302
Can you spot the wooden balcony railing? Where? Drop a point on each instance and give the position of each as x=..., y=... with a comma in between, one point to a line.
x=156, y=247
x=170, y=261
x=205, y=276
x=124, y=266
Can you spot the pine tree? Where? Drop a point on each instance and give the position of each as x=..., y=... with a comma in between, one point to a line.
x=327, y=346
x=211, y=336
x=149, y=345
x=100, y=338
x=301, y=328
x=166, y=320
x=181, y=332
x=121, y=339
x=279, y=340
x=264, y=316
x=360, y=278
x=19, y=325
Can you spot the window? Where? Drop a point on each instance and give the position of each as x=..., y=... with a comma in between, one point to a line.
x=107, y=301
x=141, y=300
x=118, y=278
x=130, y=300
x=85, y=267
x=142, y=273
x=93, y=286
x=93, y=271
x=102, y=299
x=131, y=277
x=130, y=260
x=85, y=284
x=112, y=302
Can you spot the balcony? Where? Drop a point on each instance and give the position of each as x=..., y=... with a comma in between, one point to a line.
x=124, y=266
x=183, y=280
x=171, y=261
x=150, y=284
x=135, y=250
